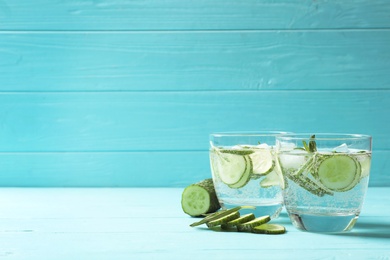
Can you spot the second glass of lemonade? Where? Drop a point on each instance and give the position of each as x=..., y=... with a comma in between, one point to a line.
x=245, y=171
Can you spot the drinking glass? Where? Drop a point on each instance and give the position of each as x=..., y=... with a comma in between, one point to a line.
x=245, y=171
x=326, y=178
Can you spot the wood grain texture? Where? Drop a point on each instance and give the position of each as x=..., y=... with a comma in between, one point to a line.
x=193, y=15
x=122, y=223
x=92, y=91
x=161, y=61
x=180, y=121
x=127, y=169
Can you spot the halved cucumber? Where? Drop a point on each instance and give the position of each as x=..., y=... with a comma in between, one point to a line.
x=200, y=198
x=339, y=172
x=269, y=229
x=263, y=162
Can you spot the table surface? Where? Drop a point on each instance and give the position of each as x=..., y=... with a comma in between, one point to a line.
x=148, y=223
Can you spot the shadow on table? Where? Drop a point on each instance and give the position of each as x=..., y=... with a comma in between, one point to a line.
x=366, y=229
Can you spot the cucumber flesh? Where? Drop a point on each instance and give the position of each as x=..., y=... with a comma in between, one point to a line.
x=200, y=198
x=229, y=167
x=262, y=161
x=245, y=176
x=240, y=220
x=272, y=179
x=339, y=172
x=219, y=214
x=247, y=226
x=223, y=219
x=269, y=229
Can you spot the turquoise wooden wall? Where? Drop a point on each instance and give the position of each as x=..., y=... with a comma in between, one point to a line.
x=125, y=93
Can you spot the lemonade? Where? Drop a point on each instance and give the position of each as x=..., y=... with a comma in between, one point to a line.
x=324, y=187
x=247, y=174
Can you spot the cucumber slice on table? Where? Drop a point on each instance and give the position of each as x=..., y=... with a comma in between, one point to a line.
x=339, y=172
x=240, y=220
x=269, y=229
x=218, y=214
x=223, y=219
x=200, y=198
x=247, y=226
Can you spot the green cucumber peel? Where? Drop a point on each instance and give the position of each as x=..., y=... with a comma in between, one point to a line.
x=220, y=214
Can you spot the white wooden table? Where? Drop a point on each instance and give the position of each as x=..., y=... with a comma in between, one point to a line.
x=148, y=223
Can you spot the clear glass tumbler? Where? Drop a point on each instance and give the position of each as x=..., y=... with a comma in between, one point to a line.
x=326, y=179
x=245, y=171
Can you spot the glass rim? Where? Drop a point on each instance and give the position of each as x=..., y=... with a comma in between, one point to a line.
x=249, y=133
x=323, y=136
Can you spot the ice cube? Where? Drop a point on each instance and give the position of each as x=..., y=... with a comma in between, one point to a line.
x=341, y=148
x=292, y=161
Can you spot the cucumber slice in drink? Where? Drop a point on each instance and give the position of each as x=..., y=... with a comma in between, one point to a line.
x=262, y=160
x=365, y=163
x=339, y=172
x=200, y=198
x=230, y=167
x=270, y=180
x=237, y=151
x=247, y=226
x=269, y=229
x=245, y=177
x=223, y=219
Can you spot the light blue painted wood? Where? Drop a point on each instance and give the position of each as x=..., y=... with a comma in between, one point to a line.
x=180, y=121
x=191, y=15
x=161, y=139
x=127, y=169
x=225, y=60
x=122, y=223
x=90, y=90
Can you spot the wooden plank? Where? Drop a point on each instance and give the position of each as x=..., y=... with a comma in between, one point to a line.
x=180, y=121
x=194, y=15
x=184, y=61
x=126, y=169
x=122, y=223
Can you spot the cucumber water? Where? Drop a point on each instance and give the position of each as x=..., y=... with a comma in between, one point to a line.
x=247, y=175
x=325, y=189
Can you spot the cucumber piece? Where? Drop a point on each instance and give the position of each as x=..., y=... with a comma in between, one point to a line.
x=223, y=219
x=229, y=167
x=237, y=151
x=218, y=214
x=247, y=226
x=309, y=185
x=365, y=163
x=269, y=229
x=245, y=176
x=237, y=221
x=263, y=162
x=200, y=198
x=272, y=179
x=339, y=172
